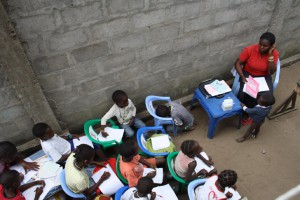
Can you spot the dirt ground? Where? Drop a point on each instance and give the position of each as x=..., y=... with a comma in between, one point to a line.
x=267, y=166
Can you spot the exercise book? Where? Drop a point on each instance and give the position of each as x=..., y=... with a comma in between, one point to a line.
x=201, y=165
x=113, y=134
x=160, y=142
x=158, y=178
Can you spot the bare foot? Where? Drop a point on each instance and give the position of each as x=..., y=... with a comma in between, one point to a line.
x=253, y=136
x=239, y=140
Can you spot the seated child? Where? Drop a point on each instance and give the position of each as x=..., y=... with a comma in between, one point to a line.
x=10, y=188
x=125, y=112
x=143, y=190
x=77, y=178
x=132, y=164
x=217, y=186
x=8, y=157
x=185, y=162
x=258, y=115
x=57, y=147
x=182, y=118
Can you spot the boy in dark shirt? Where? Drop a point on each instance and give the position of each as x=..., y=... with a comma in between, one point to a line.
x=258, y=115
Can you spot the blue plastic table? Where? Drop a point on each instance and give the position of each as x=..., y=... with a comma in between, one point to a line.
x=214, y=110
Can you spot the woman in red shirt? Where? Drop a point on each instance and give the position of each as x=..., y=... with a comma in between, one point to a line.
x=257, y=60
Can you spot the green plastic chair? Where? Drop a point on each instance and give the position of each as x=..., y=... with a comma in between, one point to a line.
x=121, y=177
x=92, y=123
x=180, y=180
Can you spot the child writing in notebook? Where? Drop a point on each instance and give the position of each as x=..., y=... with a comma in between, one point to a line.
x=77, y=177
x=185, y=162
x=132, y=164
x=10, y=188
x=8, y=157
x=258, y=115
x=57, y=147
x=220, y=186
x=125, y=112
x=182, y=118
x=143, y=190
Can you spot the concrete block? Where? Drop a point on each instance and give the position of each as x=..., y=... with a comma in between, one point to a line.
x=90, y=52
x=51, y=81
x=44, y=65
x=163, y=62
x=116, y=62
x=71, y=106
x=67, y=40
x=99, y=31
x=87, y=69
x=226, y=16
x=30, y=27
x=10, y=113
x=186, y=41
x=155, y=50
x=184, y=11
x=64, y=94
x=4, y=82
x=136, y=4
x=241, y=26
x=118, y=26
x=130, y=72
x=96, y=98
x=217, y=33
x=93, y=85
x=149, y=18
x=195, y=53
x=220, y=46
x=71, y=76
x=151, y=79
x=127, y=86
x=81, y=15
x=198, y=23
x=163, y=33
x=8, y=97
x=12, y=132
x=117, y=6
x=128, y=42
x=180, y=71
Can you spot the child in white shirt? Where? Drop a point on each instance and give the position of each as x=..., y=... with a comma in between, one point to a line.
x=143, y=190
x=125, y=112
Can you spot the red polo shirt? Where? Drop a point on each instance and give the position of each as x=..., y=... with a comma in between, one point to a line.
x=256, y=63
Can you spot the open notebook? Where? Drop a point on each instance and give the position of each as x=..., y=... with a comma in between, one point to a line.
x=158, y=178
x=160, y=142
x=201, y=165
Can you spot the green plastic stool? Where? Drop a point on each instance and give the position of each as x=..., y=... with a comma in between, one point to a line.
x=105, y=144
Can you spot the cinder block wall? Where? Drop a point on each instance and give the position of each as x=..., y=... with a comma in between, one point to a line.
x=83, y=50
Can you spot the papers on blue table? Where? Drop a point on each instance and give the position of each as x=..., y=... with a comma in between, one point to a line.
x=217, y=87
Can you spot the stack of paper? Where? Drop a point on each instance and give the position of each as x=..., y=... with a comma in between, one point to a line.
x=82, y=140
x=235, y=194
x=158, y=178
x=113, y=134
x=48, y=169
x=201, y=165
x=164, y=193
x=217, y=87
x=112, y=184
x=255, y=85
x=160, y=142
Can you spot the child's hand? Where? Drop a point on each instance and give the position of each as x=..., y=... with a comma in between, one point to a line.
x=151, y=174
x=228, y=195
x=41, y=182
x=104, y=134
x=131, y=121
x=153, y=196
x=39, y=191
x=203, y=172
x=105, y=176
x=30, y=166
x=152, y=166
x=242, y=104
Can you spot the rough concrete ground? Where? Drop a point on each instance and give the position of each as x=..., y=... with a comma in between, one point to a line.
x=267, y=166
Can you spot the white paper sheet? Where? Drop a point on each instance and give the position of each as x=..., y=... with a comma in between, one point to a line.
x=158, y=178
x=112, y=184
x=48, y=169
x=113, y=134
x=83, y=140
x=235, y=194
x=30, y=193
x=201, y=165
x=160, y=142
x=262, y=84
x=20, y=169
x=93, y=133
x=164, y=192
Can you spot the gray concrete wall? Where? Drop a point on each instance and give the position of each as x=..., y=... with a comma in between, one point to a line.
x=83, y=50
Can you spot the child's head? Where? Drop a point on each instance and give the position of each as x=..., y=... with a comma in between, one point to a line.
x=84, y=154
x=120, y=98
x=128, y=150
x=10, y=179
x=8, y=152
x=227, y=178
x=145, y=185
x=266, y=99
x=191, y=148
x=42, y=131
x=163, y=111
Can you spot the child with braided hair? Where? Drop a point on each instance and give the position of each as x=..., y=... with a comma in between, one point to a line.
x=217, y=186
x=185, y=163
